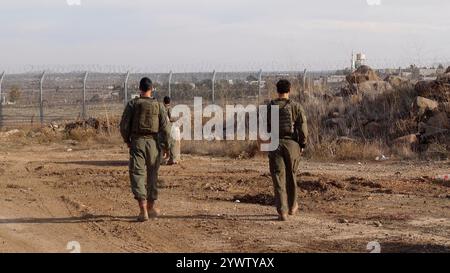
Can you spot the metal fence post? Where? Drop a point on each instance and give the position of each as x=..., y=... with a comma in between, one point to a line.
x=41, y=101
x=304, y=81
x=170, y=83
x=125, y=88
x=83, y=113
x=213, y=82
x=259, y=85
x=1, y=100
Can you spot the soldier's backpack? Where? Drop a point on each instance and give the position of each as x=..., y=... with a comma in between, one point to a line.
x=146, y=117
x=288, y=128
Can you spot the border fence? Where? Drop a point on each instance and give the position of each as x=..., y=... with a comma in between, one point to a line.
x=38, y=95
x=37, y=98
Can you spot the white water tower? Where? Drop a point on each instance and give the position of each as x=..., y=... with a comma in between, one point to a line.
x=358, y=60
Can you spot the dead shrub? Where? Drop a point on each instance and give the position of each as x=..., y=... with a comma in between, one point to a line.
x=81, y=134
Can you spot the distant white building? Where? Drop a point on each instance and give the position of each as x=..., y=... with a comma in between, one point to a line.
x=263, y=83
x=428, y=72
x=336, y=78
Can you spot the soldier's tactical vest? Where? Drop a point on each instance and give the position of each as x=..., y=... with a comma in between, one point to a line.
x=146, y=117
x=286, y=120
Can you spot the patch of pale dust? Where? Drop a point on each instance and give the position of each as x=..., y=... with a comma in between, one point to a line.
x=430, y=221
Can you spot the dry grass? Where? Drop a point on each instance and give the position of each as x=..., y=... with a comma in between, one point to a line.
x=358, y=151
x=346, y=151
x=233, y=149
x=404, y=151
x=390, y=111
x=46, y=135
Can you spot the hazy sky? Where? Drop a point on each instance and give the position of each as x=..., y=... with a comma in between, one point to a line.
x=226, y=34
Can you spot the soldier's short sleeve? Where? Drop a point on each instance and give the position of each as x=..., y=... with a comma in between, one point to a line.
x=126, y=122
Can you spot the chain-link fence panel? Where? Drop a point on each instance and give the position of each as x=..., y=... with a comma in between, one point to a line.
x=105, y=95
x=62, y=96
x=20, y=99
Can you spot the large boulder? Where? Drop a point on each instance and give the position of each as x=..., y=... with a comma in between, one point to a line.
x=338, y=125
x=434, y=123
x=347, y=91
x=406, y=140
x=405, y=146
x=436, y=90
x=448, y=70
x=373, y=129
x=444, y=78
x=373, y=87
x=397, y=82
x=445, y=106
x=363, y=74
x=421, y=105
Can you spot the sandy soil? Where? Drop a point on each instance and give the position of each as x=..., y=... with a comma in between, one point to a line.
x=49, y=197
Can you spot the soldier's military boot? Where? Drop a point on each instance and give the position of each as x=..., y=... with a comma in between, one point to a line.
x=143, y=215
x=153, y=211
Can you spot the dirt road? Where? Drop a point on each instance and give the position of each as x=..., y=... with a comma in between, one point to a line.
x=50, y=196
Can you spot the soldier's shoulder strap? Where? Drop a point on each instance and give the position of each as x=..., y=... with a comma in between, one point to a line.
x=135, y=100
x=273, y=102
x=132, y=102
x=152, y=102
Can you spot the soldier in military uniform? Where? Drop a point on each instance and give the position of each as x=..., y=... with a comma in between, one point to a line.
x=142, y=121
x=284, y=161
x=173, y=155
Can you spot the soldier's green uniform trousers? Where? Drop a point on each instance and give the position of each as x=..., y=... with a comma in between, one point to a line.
x=284, y=163
x=144, y=165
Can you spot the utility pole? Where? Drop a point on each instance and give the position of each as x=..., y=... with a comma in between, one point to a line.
x=170, y=83
x=259, y=85
x=125, y=88
x=83, y=111
x=41, y=100
x=1, y=100
x=213, y=80
x=304, y=81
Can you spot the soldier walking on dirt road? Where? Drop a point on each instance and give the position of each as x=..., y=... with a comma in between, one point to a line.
x=172, y=151
x=142, y=121
x=285, y=160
